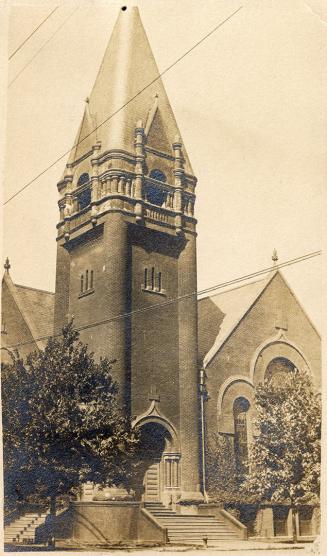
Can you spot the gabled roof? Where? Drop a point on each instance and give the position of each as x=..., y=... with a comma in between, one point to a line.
x=124, y=93
x=232, y=305
x=36, y=308
x=39, y=305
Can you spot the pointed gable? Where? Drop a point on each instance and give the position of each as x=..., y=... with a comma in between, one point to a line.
x=229, y=308
x=124, y=91
x=259, y=306
x=85, y=137
x=27, y=316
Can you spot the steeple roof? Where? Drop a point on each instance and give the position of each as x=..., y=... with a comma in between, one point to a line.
x=127, y=89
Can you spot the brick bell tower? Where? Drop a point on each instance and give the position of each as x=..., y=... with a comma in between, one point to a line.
x=126, y=258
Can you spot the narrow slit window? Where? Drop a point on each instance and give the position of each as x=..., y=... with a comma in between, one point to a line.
x=87, y=280
x=82, y=283
x=91, y=281
x=145, y=277
x=152, y=278
x=159, y=281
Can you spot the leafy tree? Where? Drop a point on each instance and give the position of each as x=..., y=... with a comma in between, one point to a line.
x=221, y=470
x=62, y=425
x=284, y=465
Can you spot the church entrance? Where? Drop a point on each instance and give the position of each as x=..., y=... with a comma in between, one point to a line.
x=152, y=483
x=159, y=465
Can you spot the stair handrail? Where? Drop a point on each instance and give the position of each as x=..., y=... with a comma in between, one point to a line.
x=233, y=520
x=11, y=516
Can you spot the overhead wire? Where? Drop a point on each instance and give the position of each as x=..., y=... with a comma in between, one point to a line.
x=32, y=33
x=42, y=47
x=163, y=304
x=122, y=107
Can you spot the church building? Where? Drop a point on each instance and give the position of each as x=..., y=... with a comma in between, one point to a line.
x=126, y=273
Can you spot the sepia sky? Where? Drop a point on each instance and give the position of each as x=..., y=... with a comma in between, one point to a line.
x=251, y=105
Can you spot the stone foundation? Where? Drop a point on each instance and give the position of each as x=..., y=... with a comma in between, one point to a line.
x=100, y=522
x=113, y=522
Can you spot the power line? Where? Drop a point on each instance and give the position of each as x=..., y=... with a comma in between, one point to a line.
x=41, y=48
x=123, y=106
x=31, y=34
x=210, y=289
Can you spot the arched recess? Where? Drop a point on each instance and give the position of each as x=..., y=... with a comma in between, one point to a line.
x=159, y=456
x=242, y=432
x=154, y=415
x=233, y=388
x=276, y=348
x=226, y=384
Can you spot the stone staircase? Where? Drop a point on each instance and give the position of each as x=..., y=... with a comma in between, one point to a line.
x=191, y=529
x=22, y=529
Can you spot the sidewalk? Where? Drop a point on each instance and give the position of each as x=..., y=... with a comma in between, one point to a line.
x=245, y=548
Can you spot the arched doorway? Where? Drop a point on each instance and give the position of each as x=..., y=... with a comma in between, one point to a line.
x=158, y=464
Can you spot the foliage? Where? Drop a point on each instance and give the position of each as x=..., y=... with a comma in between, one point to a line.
x=284, y=465
x=221, y=470
x=62, y=424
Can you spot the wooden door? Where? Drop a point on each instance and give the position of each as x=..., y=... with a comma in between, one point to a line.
x=152, y=483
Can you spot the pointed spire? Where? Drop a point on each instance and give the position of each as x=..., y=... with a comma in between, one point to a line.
x=128, y=88
x=7, y=265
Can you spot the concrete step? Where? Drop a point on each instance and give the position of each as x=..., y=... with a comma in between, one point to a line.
x=15, y=528
x=187, y=527
x=200, y=537
x=195, y=519
x=23, y=528
x=191, y=529
x=203, y=538
x=200, y=533
x=192, y=523
x=197, y=542
x=183, y=522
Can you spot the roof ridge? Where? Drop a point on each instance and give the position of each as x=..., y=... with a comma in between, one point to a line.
x=34, y=289
x=266, y=277
x=215, y=348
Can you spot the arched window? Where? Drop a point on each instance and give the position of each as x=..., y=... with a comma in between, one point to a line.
x=158, y=175
x=84, y=198
x=278, y=369
x=155, y=195
x=240, y=411
x=84, y=178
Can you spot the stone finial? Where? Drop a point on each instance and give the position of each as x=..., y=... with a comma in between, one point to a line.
x=154, y=394
x=274, y=257
x=7, y=265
